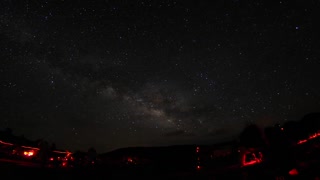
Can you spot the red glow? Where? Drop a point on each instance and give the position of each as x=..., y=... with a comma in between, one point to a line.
x=51, y=159
x=197, y=149
x=28, y=147
x=302, y=141
x=315, y=135
x=2, y=142
x=255, y=160
x=198, y=167
x=293, y=172
x=250, y=163
x=28, y=153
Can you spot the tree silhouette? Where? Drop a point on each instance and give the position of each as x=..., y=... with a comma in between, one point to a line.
x=252, y=137
x=293, y=131
x=310, y=123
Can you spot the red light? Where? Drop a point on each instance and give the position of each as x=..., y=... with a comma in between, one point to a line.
x=197, y=149
x=198, y=167
x=256, y=160
x=302, y=141
x=1, y=142
x=293, y=172
x=28, y=153
x=315, y=135
x=51, y=159
x=250, y=163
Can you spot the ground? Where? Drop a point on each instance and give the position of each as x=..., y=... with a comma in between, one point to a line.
x=26, y=170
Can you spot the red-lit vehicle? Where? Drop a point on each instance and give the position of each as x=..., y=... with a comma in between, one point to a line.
x=25, y=153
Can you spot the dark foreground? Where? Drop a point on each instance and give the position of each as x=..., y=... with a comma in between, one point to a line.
x=33, y=171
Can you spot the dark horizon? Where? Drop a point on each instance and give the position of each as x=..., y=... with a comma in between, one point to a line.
x=234, y=139
x=146, y=73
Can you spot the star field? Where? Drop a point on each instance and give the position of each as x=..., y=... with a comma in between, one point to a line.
x=113, y=74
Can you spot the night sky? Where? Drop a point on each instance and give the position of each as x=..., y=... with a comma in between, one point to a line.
x=112, y=74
